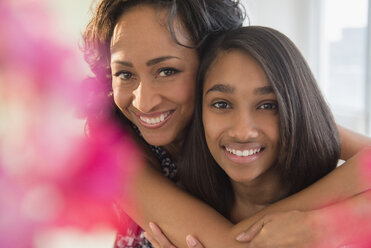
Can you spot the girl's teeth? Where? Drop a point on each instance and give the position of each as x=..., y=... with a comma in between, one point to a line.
x=243, y=153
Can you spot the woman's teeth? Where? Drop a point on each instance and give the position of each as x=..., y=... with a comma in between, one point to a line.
x=157, y=120
x=243, y=153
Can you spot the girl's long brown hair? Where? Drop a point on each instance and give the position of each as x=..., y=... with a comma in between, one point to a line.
x=309, y=144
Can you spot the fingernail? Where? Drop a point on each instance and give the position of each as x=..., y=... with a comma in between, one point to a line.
x=241, y=236
x=153, y=227
x=191, y=241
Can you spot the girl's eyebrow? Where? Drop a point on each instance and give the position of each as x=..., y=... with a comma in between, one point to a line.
x=221, y=88
x=229, y=89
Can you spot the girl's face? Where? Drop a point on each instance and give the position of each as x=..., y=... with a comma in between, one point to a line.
x=153, y=78
x=240, y=117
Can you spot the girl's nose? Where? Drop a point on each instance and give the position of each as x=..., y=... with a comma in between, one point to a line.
x=243, y=127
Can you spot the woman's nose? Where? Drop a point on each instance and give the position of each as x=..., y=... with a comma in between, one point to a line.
x=145, y=98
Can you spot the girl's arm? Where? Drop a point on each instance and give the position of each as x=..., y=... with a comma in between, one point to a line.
x=352, y=142
x=344, y=223
x=338, y=225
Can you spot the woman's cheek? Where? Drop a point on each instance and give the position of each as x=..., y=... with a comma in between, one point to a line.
x=186, y=90
x=121, y=97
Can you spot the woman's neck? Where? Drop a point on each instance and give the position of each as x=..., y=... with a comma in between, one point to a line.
x=252, y=197
x=174, y=149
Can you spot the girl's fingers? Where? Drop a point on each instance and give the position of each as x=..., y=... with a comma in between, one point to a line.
x=192, y=242
x=161, y=239
x=154, y=243
x=250, y=233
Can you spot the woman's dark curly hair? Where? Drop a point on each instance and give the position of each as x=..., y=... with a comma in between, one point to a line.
x=199, y=17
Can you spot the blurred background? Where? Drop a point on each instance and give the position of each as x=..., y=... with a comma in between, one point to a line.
x=333, y=35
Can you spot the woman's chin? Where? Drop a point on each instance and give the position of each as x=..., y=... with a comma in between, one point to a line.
x=158, y=139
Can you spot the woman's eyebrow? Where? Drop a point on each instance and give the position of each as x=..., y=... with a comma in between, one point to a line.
x=148, y=63
x=160, y=59
x=221, y=88
x=263, y=90
x=125, y=63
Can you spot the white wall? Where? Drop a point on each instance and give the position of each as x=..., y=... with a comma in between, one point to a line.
x=295, y=18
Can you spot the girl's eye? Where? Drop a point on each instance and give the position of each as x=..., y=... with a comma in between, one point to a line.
x=124, y=75
x=272, y=106
x=166, y=72
x=221, y=105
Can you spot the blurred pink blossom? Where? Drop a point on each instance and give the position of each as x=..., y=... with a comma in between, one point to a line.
x=51, y=174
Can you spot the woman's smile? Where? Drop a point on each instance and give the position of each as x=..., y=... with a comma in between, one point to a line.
x=155, y=120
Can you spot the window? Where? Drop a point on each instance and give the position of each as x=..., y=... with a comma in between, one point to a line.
x=343, y=75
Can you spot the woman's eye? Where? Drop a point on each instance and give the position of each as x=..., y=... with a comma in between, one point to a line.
x=165, y=72
x=124, y=75
x=272, y=106
x=221, y=105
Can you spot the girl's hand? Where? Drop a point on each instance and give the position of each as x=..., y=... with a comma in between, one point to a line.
x=284, y=229
x=159, y=240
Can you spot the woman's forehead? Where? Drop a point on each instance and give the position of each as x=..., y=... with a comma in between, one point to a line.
x=149, y=23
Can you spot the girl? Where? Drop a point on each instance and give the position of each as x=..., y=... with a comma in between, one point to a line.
x=267, y=131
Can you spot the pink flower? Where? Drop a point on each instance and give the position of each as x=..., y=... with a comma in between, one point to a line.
x=51, y=173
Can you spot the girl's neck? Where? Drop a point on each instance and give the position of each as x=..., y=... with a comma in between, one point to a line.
x=252, y=197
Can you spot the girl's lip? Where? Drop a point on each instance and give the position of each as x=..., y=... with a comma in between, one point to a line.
x=243, y=159
x=243, y=146
x=154, y=120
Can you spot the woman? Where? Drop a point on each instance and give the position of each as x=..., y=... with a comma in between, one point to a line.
x=146, y=48
x=148, y=44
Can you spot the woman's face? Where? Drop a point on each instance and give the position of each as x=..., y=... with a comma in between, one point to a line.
x=240, y=117
x=153, y=78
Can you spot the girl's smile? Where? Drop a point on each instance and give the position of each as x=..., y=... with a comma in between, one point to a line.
x=243, y=153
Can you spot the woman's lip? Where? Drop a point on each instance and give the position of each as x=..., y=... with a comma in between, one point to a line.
x=151, y=115
x=154, y=120
x=242, y=159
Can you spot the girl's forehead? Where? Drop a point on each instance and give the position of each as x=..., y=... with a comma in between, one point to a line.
x=236, y=68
